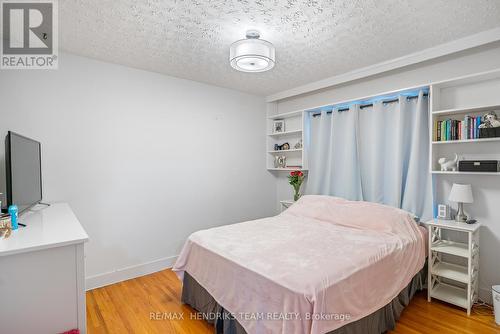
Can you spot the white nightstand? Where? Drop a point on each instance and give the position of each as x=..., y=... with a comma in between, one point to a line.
x=286, y=204
x=463, y=291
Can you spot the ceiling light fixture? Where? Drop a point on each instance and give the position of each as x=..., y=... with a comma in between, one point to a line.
x=252, y=54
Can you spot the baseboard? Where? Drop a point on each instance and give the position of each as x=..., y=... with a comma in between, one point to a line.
x=485, y=295
x=126, y=273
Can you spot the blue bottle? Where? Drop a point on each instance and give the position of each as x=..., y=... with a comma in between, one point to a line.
x=13, y=216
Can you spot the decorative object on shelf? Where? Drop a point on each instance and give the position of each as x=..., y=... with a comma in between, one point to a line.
x=280, y=161
x=298, y=146
x=285, y=147
x=461, y=193
x=295, y=179
x=485, y=166
x=252, y=54
x=5, y=226
x=490, y=120
x=279, y=126
x=489, y=132
x=490, y=127
x=447, y=165
x=444, y=211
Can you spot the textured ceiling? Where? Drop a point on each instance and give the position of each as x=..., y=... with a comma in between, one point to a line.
x=314, y=39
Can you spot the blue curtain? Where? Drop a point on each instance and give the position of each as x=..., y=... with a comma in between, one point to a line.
x=377, y=154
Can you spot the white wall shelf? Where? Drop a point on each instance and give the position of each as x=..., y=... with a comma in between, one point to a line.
x=472, y=95
x=296, y=131
x=438, y=172
x=467, y=110
x=292, y=150
x=285, y=115
x=286, y=133
x=465, y=141
x=287, y=169
x=469, y=79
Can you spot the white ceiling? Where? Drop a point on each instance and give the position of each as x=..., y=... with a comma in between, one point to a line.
x=314, y=39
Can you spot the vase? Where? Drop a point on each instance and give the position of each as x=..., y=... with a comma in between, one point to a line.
x=296, y=196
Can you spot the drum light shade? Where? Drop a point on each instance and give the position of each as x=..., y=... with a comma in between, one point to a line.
x=461, y=193
x=252, y=54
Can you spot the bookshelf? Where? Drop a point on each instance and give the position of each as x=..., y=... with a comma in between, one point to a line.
x=473, y=96
x=463, y=173
x=465, y=141
x=293, y=150
x=476, y=109
x=294, y=132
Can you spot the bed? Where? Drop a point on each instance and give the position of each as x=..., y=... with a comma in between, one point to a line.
x=325, y=265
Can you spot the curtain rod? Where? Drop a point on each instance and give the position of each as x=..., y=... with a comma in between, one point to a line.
x=371, y=104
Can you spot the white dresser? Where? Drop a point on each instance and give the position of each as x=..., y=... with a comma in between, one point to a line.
x=42, y=273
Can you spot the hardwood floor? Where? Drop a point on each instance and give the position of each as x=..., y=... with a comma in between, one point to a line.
x=128, y=307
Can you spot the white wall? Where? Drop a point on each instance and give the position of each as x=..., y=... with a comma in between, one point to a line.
x=143, y=159
x=487, y=188
x=466, y=62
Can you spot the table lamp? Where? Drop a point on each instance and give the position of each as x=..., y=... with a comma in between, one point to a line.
x=461, y=193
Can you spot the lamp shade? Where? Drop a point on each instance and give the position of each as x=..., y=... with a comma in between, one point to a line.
x=461, y=193
x=252, y=54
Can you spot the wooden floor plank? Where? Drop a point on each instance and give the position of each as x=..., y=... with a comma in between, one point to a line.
x=126, y=307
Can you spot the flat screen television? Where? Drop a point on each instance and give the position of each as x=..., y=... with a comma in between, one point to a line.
x=24, y=171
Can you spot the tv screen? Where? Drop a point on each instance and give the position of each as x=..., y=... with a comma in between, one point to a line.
x=23, y=169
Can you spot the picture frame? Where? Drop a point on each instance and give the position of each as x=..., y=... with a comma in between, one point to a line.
x=285, y=147
x=280, y=161
x=279, y=126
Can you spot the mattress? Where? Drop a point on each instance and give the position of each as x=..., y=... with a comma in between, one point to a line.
x=323, y=263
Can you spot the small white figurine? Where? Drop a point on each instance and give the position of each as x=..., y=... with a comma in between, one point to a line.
x=447, y=165
x=298, y=145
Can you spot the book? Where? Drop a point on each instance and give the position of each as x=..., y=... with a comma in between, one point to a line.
x=434, y=131
x=475, y=128
x=466, y=128
x=478, y=124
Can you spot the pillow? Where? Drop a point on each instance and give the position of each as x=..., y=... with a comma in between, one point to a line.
x=354, y=214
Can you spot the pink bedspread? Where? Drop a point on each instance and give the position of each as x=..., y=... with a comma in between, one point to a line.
x=319, y=265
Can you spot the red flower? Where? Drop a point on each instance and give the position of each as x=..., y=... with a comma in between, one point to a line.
x=299, y=173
